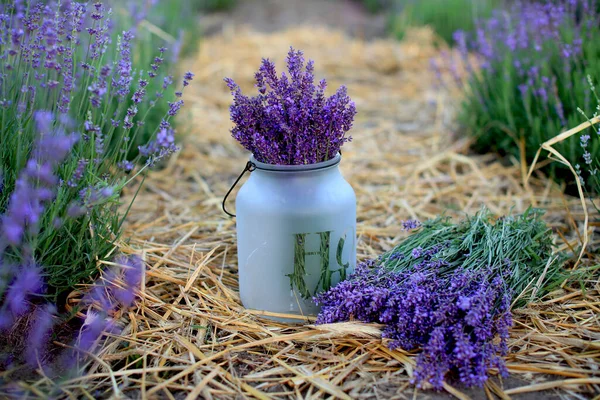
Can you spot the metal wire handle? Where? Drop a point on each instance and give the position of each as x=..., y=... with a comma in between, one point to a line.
x=250, y=166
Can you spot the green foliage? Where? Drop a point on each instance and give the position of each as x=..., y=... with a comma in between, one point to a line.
x=518, y=243
x=216, y=5
x=444, y=16
x=374, y=6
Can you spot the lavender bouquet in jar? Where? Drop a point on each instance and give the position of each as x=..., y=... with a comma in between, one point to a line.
x=296, y=215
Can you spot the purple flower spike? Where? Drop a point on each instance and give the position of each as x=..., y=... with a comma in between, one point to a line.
x=187, y=77
x=410, y=224
x=27, y=283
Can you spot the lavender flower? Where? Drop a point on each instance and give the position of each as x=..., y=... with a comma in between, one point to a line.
x=187, y=77
x=126, y=166
x=78, y=173
x=124, y=68
x=453, y=318
x=65, y=192
x=28, y=281
x=291, y=121
x=410, y=224
x=174, y=107
x=162, y=146
x=133, y=270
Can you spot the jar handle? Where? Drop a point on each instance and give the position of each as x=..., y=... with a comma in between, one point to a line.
x=250, y=166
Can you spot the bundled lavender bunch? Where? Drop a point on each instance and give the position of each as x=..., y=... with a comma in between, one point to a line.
x=535, y=59
x=453, y=318
x=447, y=289
x=64, y=67
x=291, y=121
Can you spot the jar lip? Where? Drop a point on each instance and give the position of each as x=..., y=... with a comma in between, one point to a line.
x=296, y=168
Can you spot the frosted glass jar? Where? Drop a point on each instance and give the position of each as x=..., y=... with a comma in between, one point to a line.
x=296, y=235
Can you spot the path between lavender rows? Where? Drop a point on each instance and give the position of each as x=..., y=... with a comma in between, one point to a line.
x=404, y=162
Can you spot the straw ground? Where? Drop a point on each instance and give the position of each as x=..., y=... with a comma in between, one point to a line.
x=189, y=336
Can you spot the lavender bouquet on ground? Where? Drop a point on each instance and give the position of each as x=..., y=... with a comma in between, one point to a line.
x=291, y=121
x=447, y=290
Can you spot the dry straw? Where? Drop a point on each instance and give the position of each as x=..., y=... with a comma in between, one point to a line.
x=547, y=145
x=189, y=337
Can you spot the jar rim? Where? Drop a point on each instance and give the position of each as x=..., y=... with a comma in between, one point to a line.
x=296, y=168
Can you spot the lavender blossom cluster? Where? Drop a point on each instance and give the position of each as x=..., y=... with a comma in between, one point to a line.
x=291, y=121
x=453, y=319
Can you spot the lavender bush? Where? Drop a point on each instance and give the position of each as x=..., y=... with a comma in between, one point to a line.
x=64, y=92
x=291, y=121
x=535, y=58
x=26, y=321
x=447, y=290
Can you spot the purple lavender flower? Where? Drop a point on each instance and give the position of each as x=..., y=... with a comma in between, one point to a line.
x=54, y=53
x=167, y=81
x=291, y=121
x=174, y=107
x=417, y=252
x=410, y=224
x=35, y=183
x=162, y=146
x=28, y=281
x=454, y=318
x=126, y=166
x=78, y=173
x=187, y=77
x=124, y=75
x=133, y=270
x=584, y=140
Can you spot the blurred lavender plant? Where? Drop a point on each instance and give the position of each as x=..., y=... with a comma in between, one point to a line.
x=535, y=58
x=589, y=174
x=447, y=289
x=171, y=25
x=291, y=121
x=65, y=75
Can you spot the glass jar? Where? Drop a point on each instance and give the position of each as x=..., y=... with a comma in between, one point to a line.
x=296, y=234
